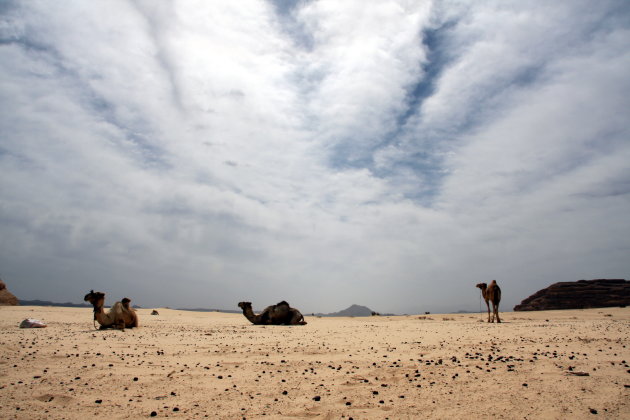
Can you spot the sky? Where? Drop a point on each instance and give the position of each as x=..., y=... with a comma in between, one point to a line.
x=390, y=154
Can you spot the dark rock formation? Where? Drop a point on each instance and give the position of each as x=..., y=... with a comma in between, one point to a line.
x=580, y=294
x=6, y=297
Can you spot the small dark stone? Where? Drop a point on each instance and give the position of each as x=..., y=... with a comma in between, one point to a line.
x=524, y=384
x=153, y=413
x=98, y=401
x=284, y=392
x=175, y=409
x=593, y=411
x=135, y=379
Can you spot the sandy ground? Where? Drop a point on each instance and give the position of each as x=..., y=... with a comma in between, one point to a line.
x=555, y=364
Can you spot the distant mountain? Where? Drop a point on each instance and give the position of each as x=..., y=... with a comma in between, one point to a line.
x=354, y=310
x=229, y=311
x=49, y=303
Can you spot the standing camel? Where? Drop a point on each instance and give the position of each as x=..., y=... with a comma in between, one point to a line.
x=120, y=315
x=492, y=294
x=280, y=314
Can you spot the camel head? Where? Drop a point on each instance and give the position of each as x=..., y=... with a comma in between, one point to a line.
x=482, y=286
x=244, y=305
x=95, y=297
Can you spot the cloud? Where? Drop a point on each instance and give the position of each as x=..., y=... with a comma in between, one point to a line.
x=327, y=153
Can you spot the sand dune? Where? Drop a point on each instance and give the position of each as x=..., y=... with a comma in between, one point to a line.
x=556, y=364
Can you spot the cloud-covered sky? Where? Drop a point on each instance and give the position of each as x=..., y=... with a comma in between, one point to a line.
x=390, y=154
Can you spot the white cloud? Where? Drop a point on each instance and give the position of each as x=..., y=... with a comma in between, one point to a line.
x=328, y=156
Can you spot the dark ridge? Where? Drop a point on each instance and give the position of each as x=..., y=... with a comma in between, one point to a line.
x=37, y=302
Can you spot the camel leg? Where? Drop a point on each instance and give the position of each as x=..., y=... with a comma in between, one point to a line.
x=488, y=306
x=496, y=312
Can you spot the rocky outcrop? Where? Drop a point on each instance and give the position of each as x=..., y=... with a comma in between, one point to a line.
x=6, y=297
x=580, y=294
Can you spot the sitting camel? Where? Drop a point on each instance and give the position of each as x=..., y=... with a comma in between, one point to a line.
x=120, y=315
x=491, y=293
x=280, y=314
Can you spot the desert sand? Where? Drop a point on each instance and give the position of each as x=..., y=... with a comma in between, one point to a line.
x=179, y=364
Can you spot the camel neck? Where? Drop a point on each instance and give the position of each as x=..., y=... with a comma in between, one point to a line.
x=248, y=312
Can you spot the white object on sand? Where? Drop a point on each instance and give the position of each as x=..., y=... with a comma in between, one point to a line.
x=32, y=323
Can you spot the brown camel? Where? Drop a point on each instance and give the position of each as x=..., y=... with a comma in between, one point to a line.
x=280, y=314
x=120, y=315
x=492, y=294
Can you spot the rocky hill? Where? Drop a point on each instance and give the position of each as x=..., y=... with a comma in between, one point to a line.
x=580, y=294
x=6, y=297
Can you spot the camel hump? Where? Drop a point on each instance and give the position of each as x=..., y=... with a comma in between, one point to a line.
x=283, y=303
